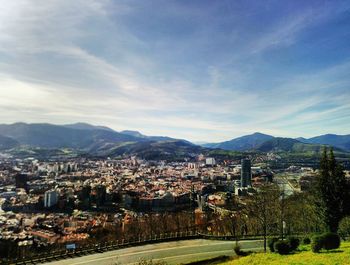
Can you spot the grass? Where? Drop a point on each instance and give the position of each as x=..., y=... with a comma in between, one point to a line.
x=304, y=256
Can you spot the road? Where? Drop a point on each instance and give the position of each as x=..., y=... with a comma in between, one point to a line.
x=172, y=252
x=285, y=185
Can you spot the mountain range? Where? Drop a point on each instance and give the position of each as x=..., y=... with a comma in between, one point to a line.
x=243, y=143
x=104, y=141
x=265, y=143
x=90, y=139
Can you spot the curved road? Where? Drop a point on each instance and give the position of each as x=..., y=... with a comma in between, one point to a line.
x=172, y=252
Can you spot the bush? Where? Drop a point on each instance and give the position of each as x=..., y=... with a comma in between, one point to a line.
x=282, y=247
x=331, y=241
x=271, y=243
x=306, y=241
x=317, y=243
x=325, y=241
x=293, y=243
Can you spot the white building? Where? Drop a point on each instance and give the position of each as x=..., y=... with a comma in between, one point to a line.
x=210, y=161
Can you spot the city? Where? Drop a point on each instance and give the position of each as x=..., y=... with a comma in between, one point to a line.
x=175, y=132
x=78, y=202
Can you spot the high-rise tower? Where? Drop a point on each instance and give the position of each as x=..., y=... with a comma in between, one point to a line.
x=246, y=173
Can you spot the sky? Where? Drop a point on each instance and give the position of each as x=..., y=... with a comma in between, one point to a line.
x=199, y=70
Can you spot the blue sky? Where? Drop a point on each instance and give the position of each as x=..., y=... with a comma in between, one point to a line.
x=200, y=70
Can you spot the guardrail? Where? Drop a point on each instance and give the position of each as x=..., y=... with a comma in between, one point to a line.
x=101, y=247
x=119, y=244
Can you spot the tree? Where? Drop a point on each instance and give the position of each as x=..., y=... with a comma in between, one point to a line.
x=344, y=227
x=300, y=215
x=264, y=206
x=331, y=191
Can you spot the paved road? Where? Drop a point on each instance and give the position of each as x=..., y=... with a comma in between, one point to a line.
x=172, y=252
x=285, y=185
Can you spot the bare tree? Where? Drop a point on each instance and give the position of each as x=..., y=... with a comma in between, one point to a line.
x=264, y=206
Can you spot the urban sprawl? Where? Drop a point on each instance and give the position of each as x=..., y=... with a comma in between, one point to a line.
x=81, y=201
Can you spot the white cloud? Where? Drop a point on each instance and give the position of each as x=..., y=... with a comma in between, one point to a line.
x=76, y=61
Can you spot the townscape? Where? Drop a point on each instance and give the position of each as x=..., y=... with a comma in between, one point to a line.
x=174, y=132
x=77, y=201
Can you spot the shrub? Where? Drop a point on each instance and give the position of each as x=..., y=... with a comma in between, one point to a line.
x=271, y=243
x=344, y=228
x=317, y=243
x=331, y=241
x=293, y=243
x=325, y=241
x=282, y=247
x=306, y=241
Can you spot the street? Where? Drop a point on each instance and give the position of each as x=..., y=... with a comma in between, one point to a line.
x=172, y=252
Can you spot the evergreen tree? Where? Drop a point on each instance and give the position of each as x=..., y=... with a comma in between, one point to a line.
x=331, y=191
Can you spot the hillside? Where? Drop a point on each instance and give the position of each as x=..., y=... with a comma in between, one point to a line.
x=244, y=143
x=152, y=138
x=154, y=150
x=7, y=142
x=280, y=144
x=267, y=143
x=86, y=126
x=81, y=138
x=55, y=136
x=339, y=141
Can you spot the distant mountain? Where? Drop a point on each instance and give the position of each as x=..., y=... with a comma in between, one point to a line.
x=158, y=150
x=279, y=144
x=86, y=126
x=151, y=138
x=244, y=143
x=339, y=141
x=301, y=139
x=133, y=133
x=7, y=142
x=82, y=138
x=55, y=136
x=91, y=140
x=267, y=143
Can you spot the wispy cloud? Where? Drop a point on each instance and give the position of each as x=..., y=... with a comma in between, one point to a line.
x=193, y=71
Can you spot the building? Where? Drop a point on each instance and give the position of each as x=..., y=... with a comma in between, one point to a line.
x=21, y=181
x=210, y=161
x=51, y=198
x=246, y=173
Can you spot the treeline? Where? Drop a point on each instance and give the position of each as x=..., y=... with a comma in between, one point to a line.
x=321, y=209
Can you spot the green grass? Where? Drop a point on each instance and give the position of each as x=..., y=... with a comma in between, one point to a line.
x=305, y=256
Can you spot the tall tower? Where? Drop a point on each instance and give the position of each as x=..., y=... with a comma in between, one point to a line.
x=50, y=198
x=246, y=173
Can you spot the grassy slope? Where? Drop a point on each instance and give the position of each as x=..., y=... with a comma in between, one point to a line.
x=304, y=257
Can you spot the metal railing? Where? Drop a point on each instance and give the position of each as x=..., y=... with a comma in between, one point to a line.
x=101, y=247
x=62, y=253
